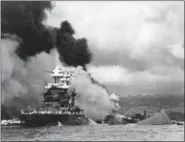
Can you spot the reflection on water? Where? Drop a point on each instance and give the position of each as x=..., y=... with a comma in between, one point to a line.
x=95, y=132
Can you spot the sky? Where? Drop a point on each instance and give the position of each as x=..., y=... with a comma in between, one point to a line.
x=137, y=46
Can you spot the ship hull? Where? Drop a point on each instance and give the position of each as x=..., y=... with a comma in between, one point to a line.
x=50, y=119
x=160, y=118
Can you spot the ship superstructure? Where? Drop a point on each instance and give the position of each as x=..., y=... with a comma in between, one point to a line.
x=56, y=93
x=115, y=101
x=59, y=104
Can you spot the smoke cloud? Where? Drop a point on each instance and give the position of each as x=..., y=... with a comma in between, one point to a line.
x=73, y=51
x=23, y=82
x=29, y=50
x=25, y=20
x=37, y=38
x=91, y=97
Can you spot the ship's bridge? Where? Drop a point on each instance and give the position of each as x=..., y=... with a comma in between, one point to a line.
x=62, y=77
x=62, y=72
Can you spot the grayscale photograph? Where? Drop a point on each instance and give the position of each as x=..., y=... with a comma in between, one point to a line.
x=92, y=70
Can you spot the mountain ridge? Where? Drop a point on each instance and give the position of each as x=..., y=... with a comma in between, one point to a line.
x=137, y=103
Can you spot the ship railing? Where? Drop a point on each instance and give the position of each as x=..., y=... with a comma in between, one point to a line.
x=52, y=112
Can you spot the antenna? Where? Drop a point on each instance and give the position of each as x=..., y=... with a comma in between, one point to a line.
x=158, y=106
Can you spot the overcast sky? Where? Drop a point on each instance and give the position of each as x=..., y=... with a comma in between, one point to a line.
x=138, y=47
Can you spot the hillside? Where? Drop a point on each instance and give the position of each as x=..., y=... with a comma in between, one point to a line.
x=133, y=104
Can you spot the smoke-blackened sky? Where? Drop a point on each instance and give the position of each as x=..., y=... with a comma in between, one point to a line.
x=30, y=49
x=138, y=47
x=24, y=18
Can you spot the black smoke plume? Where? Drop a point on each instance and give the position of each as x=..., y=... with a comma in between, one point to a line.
x=24, y=18
x=74, y=52
x=95, y=81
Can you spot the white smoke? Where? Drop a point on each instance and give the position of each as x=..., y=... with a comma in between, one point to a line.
x=91, y=97
x=24, y=79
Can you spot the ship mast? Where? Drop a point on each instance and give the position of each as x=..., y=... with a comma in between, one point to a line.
x=58, y=91
x=158, y=109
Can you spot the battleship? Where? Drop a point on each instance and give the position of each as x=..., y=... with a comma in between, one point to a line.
x=58, y=104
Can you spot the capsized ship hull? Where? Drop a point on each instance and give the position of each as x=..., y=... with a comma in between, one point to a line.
x=160, y=118
x=49, y=119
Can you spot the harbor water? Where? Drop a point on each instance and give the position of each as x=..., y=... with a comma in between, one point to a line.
x=95, y=132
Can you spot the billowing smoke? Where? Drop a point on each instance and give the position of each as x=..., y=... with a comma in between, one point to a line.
x=73, y=51
x=91, y=97
x=29, y=50
x=23, y=82
x=24, y=64
x=24, y=18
